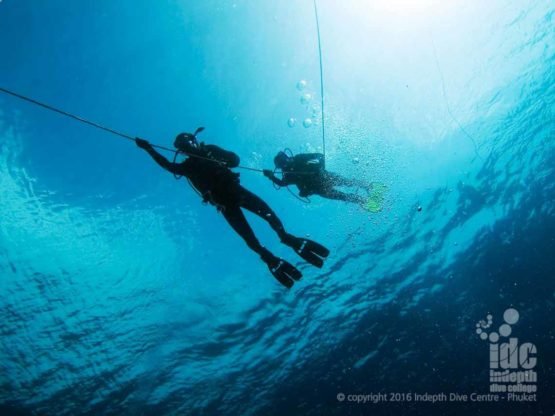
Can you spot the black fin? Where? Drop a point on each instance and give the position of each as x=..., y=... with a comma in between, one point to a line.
x=317, y=248
x=290, y=270
x=309, y=250
x=311, y=258
x=284, y=272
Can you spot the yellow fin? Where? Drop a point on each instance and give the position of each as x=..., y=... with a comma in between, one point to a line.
x=375, y=200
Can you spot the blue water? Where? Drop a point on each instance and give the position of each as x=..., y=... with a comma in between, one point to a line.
x=122, y=294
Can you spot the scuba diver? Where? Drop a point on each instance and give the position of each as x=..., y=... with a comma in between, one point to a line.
x=307, y=171
x=207, y=167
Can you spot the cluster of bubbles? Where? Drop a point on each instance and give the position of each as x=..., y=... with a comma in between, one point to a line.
x=306, y=99
x=510, y=316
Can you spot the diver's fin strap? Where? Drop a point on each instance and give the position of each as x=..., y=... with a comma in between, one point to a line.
x=301, y=248
x=276, y=267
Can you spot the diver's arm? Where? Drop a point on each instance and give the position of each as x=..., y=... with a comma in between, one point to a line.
x=158, y=158
x=211, y=151
x=270, y=175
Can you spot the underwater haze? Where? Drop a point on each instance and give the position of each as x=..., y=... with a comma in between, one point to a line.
x=122, y=294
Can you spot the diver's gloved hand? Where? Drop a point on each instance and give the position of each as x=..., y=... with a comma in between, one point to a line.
x=268, y=173
x=142, y=143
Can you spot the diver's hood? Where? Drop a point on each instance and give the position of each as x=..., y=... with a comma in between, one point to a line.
x=184, y=142
x=281, y=159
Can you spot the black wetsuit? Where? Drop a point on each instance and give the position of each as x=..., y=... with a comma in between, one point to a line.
x=208, y=170
x=307, y=171
x=220, y=186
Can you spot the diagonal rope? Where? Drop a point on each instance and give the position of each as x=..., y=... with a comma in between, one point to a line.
x=107, y=129
x=73, y=116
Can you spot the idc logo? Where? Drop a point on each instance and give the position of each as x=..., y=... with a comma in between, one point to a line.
x=511, y=362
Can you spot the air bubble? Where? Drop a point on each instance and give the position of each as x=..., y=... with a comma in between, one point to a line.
x=307, y=123
x=301, y=85
x=306, y=98
x=291, y=122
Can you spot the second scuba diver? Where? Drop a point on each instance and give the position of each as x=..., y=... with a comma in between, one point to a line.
x=207, y=167
x=307, y=171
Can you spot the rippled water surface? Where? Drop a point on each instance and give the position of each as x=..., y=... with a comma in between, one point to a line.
x=120, y=293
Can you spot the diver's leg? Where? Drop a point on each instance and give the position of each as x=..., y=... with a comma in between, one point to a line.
x=235, y=217
x=256, y=205
x=284, y=272
x=309, y=250
x=335, y=179
x=341, y=196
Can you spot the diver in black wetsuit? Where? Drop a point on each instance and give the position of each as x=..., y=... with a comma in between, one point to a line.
x=307, y=171
x=207, y=167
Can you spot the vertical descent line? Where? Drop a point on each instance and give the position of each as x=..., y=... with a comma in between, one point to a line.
x=321, y=80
